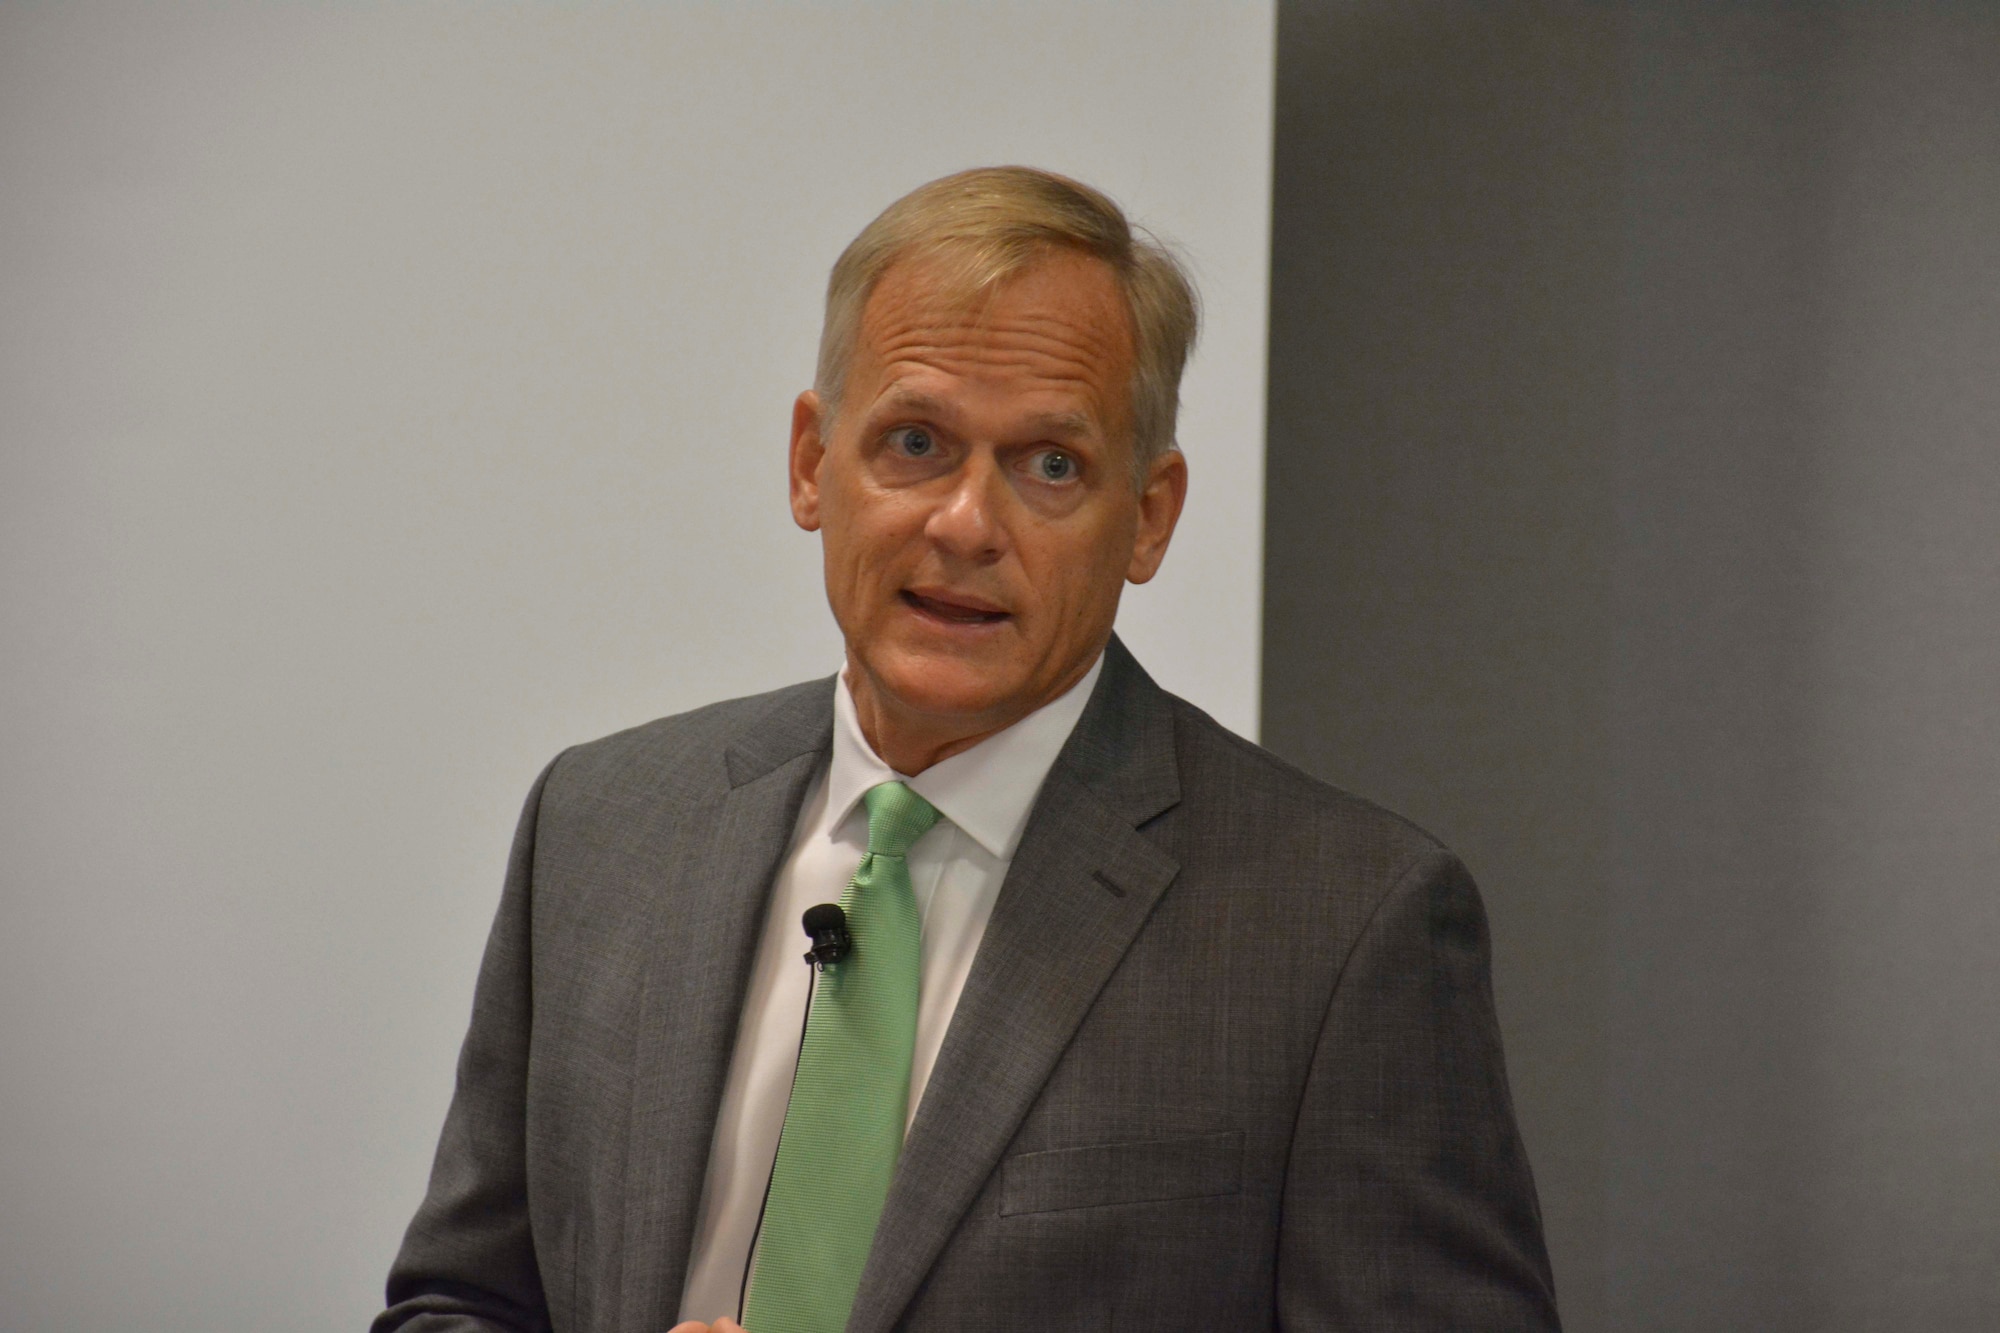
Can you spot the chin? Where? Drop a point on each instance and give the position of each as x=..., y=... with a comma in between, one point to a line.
x=945, y=685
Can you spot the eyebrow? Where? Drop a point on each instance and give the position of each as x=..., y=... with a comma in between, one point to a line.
x=1056, y=425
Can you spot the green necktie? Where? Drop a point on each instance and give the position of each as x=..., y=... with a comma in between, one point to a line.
x=851, y=1096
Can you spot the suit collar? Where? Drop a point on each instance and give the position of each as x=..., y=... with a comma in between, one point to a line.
x=797, y=721
x=987, y=791
x=1123, y=746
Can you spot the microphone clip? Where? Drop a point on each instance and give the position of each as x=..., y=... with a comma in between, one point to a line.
x=826, y=925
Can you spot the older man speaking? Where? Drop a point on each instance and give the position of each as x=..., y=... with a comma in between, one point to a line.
x=1108, y=1018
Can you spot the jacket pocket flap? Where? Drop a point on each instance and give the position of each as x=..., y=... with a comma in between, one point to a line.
x=1148, y=1171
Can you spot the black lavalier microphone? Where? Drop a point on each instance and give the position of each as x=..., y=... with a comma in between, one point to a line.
x=827, y=925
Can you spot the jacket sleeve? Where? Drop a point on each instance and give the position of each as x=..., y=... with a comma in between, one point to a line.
x=468, y=1259
x=1408, y=1200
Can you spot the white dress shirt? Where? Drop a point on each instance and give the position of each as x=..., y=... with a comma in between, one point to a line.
x=984, y=794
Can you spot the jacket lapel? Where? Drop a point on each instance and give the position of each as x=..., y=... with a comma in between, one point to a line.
x=706, y=916
x=1081, y=885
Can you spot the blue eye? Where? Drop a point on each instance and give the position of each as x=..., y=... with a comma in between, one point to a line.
x=916, y=441
x=1054, y=465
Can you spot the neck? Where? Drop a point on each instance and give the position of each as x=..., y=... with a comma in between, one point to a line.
x=910, y=741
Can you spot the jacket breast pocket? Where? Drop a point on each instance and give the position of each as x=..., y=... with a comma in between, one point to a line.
x=1146, y=1171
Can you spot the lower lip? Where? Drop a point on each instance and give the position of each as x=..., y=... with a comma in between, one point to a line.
x=931, y=616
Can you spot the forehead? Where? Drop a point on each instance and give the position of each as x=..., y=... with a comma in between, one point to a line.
x=1057, y=327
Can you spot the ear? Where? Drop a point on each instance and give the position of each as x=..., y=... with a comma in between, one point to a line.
x=808, y=452
x=1160, y=501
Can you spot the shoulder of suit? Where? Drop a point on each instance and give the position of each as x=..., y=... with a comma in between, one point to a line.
x=1233, y=777
x=685, y=746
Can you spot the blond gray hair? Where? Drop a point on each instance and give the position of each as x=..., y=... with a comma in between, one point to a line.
x=987, y=225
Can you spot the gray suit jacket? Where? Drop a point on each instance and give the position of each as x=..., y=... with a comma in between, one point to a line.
x=1226, y=1058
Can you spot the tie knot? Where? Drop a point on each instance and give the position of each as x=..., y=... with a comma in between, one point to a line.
x=897, y=817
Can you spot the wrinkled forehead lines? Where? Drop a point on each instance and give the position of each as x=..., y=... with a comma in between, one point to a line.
x=1071, y=331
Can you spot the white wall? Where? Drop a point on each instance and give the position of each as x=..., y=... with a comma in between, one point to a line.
x=390, y=396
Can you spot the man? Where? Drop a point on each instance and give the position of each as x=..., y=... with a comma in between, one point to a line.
x=1129, y=1024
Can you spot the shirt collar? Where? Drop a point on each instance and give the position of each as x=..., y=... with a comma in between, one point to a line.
x=987, y=790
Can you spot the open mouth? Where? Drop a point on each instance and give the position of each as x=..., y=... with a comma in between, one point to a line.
x=953, y=612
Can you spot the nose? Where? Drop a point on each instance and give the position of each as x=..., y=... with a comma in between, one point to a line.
x=966, y=523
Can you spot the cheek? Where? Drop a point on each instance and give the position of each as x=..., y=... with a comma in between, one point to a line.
x=1081, y=572
x=869, y=539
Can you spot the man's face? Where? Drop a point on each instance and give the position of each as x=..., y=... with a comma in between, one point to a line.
x=975, y=495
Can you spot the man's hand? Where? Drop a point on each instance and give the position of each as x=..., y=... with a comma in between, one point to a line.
x=719, y=1326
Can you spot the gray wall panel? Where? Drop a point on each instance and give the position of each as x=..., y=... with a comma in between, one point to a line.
x=1442, y=382
x=1633, y=491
